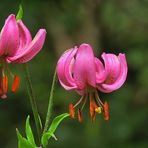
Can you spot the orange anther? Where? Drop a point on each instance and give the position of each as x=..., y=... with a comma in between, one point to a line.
x=92, y=106
x=71, y=111
x=106, y=115
x=16, y=83
x=79, y=115
x=4, y=84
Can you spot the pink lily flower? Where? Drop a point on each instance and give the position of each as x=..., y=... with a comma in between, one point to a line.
x=16, y=46
x=80, y=70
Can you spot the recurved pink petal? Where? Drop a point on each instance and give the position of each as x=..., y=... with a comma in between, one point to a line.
x=69, y=66
x=84, y=67
x=25, y=55
x=100, y=71
x=120, y=67
x=64, y=69
x=24, y=34
x=112, y=66
x=9, y=37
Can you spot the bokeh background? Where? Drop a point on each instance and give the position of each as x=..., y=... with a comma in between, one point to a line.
x=109, y=26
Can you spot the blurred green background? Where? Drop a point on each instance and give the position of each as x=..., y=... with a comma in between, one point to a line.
x=109, y=26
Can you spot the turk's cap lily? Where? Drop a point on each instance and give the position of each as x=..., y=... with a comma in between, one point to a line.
x=80, y=70
x=16, y=46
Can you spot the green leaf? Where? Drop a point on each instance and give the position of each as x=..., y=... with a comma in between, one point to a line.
x=29, y=133
x=50, y=133
x=57, y=121
x=20, y=13
x=23, y=142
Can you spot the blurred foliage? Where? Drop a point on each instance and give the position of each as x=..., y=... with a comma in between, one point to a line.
x=108, y=25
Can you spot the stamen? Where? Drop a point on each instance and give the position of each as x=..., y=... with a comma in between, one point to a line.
x=4, y=84
x=71, y=111
x=92, y=108
x=83, y=102
x=82, y=98
x=106, y=115
x=98, y=110
x=16, y=83
x=79, y=115
x=8, y=70
x=98, y=99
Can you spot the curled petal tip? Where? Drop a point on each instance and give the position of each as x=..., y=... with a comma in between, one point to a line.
x=43, y=30
x=84, y=44
x=116, y=70
x=10, y=16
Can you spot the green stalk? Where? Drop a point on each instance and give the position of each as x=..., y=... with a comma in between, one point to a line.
x=50, y=104
x=32, y=100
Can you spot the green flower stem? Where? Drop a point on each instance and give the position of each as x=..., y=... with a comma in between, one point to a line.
x=50, y=104
x=32, y=100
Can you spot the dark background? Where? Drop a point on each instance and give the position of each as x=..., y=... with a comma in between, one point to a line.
x=109, y=26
